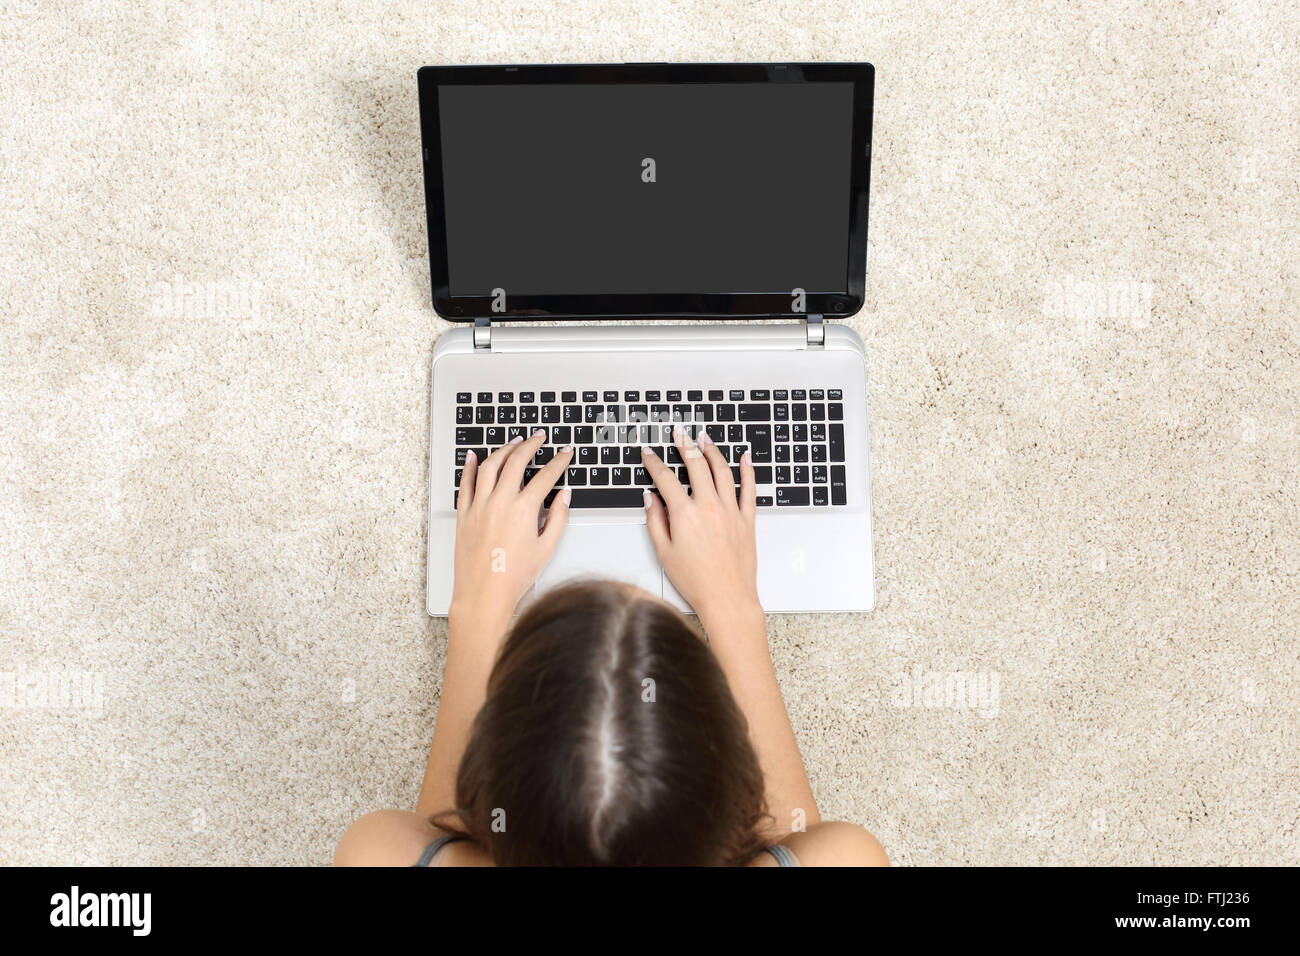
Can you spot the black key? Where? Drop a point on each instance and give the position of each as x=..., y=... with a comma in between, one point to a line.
x=725, y=451
x=817, y=411
x=469, y=436
x=818, y=452
x=717, y=432
x=763, y=501
x=672, y=455
x=758, y=395
x=608, y=455
x=485, y=397
x=599, y=476
x=834, y=394
x=782, y=432
x=681, y=413
x=506, y=398
x=630, y=396
x=735, y=477
x=583, y=435
x=726, y=412
x=646, y=434
x=782, y=452
x=791, y=496
x=783, y=474
x=568, y=396
x=837, y=442
x=820, y=495
x=607, y=498
x=801, y=474
x=485, y=415
x=704, y=413
x=480, y=453
x=550, y=496
x=550, y=413
x=739, y=452
x=817, y=432
x=461, y=455
x=735, y=433
x=459, y=473
x=543, y=455
x=530, y=473
x=463, y=398
x=572, y=414
x=780, y=395
x=835, y=411
x=660, y=412
x=641, y=477
x=561, y=434
x=638, y=413
x=631, y=455
x=508, y=415
x=799, y=395
x=684, y=476
x=800, y=432
x=614, y=413
x=594, y=413
x=548, y=397
x=494, y=435
x=800, y=452
x=760, y=442
x=695, y=395
x=839, y=487
x=652, y=396
x=464, y=416
x=817, y=395
x=609, y=395
x=819, y=474
x=526, y=397
x=589, y=396
x=754, y=413
x=762, y=474
x=516, y=431
x=621, y=476
x=736, y=395
x=799, y=412
x=528, y=414
x=780, y=413
x=587, y=455
x=674, y=395
x=715, y=395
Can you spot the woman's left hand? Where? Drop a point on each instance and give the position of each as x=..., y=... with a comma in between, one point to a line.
x=500, y=549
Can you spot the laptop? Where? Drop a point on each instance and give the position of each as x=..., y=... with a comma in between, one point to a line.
x=583, y=220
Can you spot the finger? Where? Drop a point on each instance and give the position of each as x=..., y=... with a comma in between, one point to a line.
x=665, y=478
x=722, y=480
x=512, y=472
x=489, y=471
x=550, y=474
x=748, y=491
x=466, y=497
x=697, y=468
x=656, y=521
x=557, y=517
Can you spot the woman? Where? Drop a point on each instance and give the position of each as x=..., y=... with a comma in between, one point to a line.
x=599, y=729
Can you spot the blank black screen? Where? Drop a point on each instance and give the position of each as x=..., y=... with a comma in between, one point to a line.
x=544, y=191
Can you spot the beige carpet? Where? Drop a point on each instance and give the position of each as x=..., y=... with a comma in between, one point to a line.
x=1082, y=340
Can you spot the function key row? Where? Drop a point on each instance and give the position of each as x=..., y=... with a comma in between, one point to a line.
x=656, y=395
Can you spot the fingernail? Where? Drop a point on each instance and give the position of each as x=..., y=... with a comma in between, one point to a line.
x=678, y=430
x=470, y=456
x=536, y=432
x=745, y=457
x=645, y=497
x=567, y=494
x=563, y=449
x=705, y=439
x=646, y=453
x=517, y=439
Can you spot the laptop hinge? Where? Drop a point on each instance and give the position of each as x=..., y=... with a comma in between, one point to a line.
x=482, y=332
x=816, y=331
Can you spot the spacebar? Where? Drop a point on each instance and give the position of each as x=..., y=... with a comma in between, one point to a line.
x=607, y=498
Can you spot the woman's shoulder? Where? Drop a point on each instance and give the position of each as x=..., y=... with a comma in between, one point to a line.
x=398, y=838
x=831, y=843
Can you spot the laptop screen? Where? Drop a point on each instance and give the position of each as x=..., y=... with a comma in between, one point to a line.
x=630, y=196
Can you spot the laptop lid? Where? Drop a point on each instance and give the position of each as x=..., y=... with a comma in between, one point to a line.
x=647, y=190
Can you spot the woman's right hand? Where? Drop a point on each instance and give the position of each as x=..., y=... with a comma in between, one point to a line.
x=705, y=539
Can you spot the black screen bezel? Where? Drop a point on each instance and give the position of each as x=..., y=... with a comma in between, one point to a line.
x=739, y=305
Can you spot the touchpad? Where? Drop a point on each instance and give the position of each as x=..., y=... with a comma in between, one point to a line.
x=620, y=551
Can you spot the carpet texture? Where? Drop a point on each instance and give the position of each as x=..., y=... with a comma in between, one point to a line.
x=1082, y=354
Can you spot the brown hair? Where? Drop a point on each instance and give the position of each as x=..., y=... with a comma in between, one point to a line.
x=609, y=737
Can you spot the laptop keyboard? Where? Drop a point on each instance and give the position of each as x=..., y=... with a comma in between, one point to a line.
x=796, y=437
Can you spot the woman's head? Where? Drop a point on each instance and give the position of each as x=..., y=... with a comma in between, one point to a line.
x=609, y=736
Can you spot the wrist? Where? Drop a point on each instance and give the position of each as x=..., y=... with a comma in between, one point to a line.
x=475, y=620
